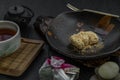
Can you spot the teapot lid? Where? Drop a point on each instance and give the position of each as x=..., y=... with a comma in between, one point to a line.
x=16, y=10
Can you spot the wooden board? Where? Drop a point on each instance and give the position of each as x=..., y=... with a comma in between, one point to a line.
x=16, y=63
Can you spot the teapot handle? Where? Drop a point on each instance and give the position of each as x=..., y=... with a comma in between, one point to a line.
x=31, y=12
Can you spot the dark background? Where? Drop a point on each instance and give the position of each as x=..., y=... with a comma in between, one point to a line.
x=53, y=8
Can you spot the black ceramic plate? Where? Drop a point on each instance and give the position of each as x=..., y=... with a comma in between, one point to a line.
x=65, y=24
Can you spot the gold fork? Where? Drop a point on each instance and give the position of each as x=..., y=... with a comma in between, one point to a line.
x=70, y=6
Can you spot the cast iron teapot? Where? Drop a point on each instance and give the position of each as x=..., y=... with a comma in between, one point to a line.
x=20, y=14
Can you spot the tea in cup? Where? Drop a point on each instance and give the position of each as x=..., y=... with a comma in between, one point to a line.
x=10, y=38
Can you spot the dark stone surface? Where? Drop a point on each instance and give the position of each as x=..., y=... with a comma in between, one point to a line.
x=53, y=8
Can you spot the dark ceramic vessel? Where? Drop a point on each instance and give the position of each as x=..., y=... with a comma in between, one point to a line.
x=65, y=24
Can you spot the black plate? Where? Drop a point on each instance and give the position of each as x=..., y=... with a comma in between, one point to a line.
x=65, y=24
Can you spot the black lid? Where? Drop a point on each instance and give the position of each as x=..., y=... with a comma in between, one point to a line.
x=16, y=10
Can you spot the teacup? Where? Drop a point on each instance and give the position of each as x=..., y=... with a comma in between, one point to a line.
x=10, y=38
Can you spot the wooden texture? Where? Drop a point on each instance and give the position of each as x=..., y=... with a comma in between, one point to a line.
x=16, y=63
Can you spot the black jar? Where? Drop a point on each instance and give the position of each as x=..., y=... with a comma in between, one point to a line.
x=20, y=14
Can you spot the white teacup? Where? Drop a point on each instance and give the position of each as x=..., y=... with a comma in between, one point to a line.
x=9, y=41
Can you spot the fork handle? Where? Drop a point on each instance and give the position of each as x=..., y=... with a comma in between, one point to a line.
x=102, y=13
